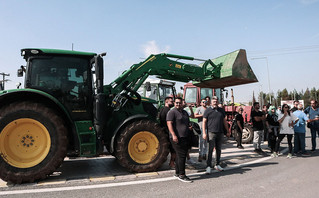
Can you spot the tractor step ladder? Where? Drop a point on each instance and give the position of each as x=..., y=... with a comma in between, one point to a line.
x=87, y=138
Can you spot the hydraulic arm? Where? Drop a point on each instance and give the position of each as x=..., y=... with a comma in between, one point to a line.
x=228, y=70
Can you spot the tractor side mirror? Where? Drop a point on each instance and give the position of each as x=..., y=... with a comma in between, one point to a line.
x=20, y=71
x=148, y=86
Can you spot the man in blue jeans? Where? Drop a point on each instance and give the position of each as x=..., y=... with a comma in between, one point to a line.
x=214, y=120
x=313, y=112
x=300, y=131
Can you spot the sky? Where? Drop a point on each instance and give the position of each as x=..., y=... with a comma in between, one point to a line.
x=280, y=34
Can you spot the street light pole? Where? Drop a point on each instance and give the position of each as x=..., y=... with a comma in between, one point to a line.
x=266, y=58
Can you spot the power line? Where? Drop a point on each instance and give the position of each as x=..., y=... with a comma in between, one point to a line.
x=287, y=49
x=284, y=51
x=3, y=80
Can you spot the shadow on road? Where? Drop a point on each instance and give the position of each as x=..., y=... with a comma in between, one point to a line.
x=234, y=171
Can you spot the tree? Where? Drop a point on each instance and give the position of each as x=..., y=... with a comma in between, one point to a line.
x=278, y=99
x=285, y=95
x=313, y=94
x=306, y=97
x=254, y=99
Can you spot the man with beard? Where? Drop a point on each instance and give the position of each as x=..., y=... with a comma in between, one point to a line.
x=169, y=103
x=214, y=120
x=179, y=131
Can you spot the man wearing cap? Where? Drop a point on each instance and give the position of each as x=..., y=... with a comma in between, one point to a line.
x=214, y=120
x=300, y=131
x=258, y=117
x=273, y=128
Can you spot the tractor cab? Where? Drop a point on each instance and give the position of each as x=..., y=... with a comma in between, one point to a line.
x=157, y=90
x=65, y=77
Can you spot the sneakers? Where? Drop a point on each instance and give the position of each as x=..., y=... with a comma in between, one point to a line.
x=208, y=170
x=240, y=147
x=184, y=178
x=274, y=154
x=289, y=156
x=176, y=175
x=219, y=168
x=305, y=154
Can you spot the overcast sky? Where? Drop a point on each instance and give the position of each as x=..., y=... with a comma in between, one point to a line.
x=284, y=33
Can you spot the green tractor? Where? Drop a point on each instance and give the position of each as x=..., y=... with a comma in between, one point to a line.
x=65, y=109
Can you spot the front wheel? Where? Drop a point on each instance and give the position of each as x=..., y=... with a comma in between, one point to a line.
x=33, y=142
x=248, y=134
x=142, y=146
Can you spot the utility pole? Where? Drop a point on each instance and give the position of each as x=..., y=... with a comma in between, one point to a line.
x=3, y=79
x=266, y=58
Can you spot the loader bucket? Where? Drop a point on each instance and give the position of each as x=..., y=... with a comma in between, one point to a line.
x=227, y=70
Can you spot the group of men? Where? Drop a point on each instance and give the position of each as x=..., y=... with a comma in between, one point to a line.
x=212, y=121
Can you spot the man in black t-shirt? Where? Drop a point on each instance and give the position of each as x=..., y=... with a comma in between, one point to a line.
x=258, y=117
x=239, y=127
x=179, y=131
x=214, y=120
x=169, y=103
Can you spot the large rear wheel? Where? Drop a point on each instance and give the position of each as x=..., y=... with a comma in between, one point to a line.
x=142, y=146
x=33, y=142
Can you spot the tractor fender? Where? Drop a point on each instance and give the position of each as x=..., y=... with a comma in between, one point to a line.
x=15, y=95
x=127, y=120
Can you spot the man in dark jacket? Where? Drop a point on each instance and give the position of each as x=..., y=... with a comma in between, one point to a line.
x=169, y=103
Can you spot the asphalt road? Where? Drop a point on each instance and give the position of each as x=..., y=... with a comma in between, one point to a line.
x=253, y=176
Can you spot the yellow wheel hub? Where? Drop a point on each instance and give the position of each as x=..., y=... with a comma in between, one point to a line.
x=24, y=143
x=143, y=147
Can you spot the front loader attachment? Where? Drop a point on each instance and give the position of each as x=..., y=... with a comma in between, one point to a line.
x=227, y=70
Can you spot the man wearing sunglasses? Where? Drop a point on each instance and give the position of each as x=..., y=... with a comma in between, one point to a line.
x=179, y=132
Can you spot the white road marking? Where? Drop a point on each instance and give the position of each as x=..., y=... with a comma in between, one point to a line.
x=15, y=192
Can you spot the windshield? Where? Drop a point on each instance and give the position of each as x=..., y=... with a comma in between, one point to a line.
x=190, y=94
x=158, y=92
x=59, y=74
x=165, y=91
x=206, y=92
x=65, y=78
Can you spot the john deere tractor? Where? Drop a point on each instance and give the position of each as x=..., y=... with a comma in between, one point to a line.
x=65, y=109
